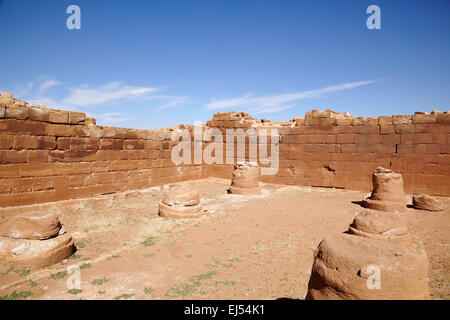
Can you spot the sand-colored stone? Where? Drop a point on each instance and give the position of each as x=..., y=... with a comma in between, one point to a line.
x=381, y=226
x=34, y=254
x=180, y=202
x=244, y=180
x=6, y=99
x=426, y=202
x=387, y=194
x=181, y=196
x=30, y=226
x=345, y=267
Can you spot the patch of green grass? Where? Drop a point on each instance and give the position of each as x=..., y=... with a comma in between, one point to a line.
x=22, y=272
x=58, y=275
x=101, y=292
x=80, y=244
x=32, y=283
x=124, y=296
x=226, y=283
x=227, y=266
x=189, y=255
x=188, y=288
x=148, y=290
x=75, y=291
x=85, y=266
x=75, y=256
x=148, y=242
x=17, y=295
x=182, y=290
x=148, y=255
x=204, y=276
x=170, y=243
x=99, y=282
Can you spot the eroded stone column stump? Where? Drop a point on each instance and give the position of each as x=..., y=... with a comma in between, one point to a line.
x=426, y=202
x=387, y=194
x=381, y=226
x=34, y=241
x=376, y=259
x=180, y=202
x=244, y=179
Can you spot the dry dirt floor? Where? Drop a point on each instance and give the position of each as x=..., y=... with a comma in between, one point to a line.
x=244, y=247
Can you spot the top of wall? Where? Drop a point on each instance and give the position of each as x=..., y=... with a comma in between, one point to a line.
x=324, y=118
x=20, y=110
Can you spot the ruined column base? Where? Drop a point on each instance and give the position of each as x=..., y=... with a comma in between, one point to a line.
x=381, y=226
x=387, y=206
x=30, y=226
x=351, y=267
x=35, y=254
x=426, y=202
x=180, y=211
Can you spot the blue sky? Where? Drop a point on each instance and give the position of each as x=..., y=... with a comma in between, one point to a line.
x=153, y=64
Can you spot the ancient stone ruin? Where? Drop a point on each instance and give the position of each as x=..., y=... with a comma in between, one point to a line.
x=377, y=258
x=244, y=179
x=34, y=241
x=387, y=194
x=49, y=155
x=353, y=267
x=426, y=202
x=180, y=203
x=381, y=226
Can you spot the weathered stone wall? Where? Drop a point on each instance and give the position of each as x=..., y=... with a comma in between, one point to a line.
x=48, y=155
x=328, y=149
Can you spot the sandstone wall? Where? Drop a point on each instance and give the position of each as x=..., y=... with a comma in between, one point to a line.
x=48, y=155
x=328, y=149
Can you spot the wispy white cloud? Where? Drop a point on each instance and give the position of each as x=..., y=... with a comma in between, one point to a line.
x=110, y=92
x=24, y=90
x=173, y=101
x=48, y=84
x=273, y=109
x=49, y=102
x=276, y=103
x=86, y=96
x=110, y=117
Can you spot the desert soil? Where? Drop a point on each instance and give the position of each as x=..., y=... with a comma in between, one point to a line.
x=244, y=247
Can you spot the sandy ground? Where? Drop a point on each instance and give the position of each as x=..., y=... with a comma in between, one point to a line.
x=244, y=247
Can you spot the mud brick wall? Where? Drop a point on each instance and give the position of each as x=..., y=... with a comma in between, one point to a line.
x=49, y=155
